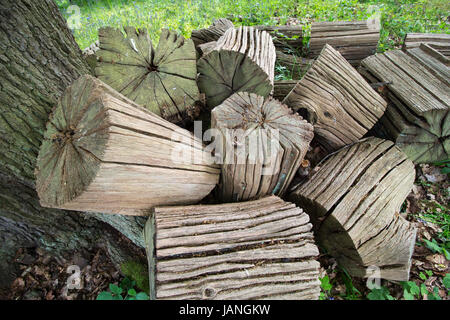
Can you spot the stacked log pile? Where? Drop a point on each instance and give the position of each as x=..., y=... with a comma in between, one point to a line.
x=439, y=42
x=418, y=117
x=261, y=249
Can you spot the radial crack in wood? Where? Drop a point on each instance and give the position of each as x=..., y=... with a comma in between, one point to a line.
x=261, y=249
x=338, y=101
x=243, y=59
x=419, y=123
x=353, y=200
x=163, y=80
x=260, y=143
x=104, y=153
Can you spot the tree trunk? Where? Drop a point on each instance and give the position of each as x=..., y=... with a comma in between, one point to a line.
x=262, y=145
x=261, y=249
x=242, y=60
x=338, y=101
x=439, y=42
x=419, y=123
x=39, y=58
x=353, y=200
x=104, y=153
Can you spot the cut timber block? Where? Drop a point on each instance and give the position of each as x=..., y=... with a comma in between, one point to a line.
x=261, y=249
x=295, y=66
x=355, y=40
x=212, y=33
x=417, y=118
x=103, y=153
x=281, y=88
x=288, y=38
x=262, y=144
x=353, y=200
x=243, y=59
x=439, y=42
x=338, y=101
x=161, y=80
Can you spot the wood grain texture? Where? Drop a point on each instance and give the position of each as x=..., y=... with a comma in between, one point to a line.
x=163, y=80
x=438, y=41
x=417, y=117
x=243, y=59
x=263, y=145
x=355, y=40
x=285, y=38
x=340, y=104
x=281, y=88
x=212, y=33
x=104, y=153
x=261, y=249
x=353, y=200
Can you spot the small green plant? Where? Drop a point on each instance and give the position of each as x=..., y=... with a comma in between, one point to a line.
x=326, y=287
x=137, y=272
x=125, y=291
x=381, y=293
x=436, y=248
x=351, y=293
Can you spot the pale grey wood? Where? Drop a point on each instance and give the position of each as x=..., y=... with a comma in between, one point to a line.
x=438, y=41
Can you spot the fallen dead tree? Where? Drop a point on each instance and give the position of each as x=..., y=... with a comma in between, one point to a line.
x=261, y=249
x=104, y=153
x=163, y=80
x=353, y=200
x=243, y=59
x=438, y=41
x=340, y=104
x=262, y=144
x=417, y=117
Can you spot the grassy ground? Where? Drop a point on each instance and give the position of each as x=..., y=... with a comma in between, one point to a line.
x=397, y=16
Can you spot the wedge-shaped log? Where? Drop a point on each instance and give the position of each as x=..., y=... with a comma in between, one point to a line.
x=262, y=145
x=212, y=33
x=438, y=41
x=104, y=153
x=243, y=59
x=261, y=249
x=161, y=80
x=340, y=104
x=355, y=40
x=418, y=115
x=353, y=201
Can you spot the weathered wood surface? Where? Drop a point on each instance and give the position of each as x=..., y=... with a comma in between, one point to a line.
x=281, y=88
x=163, y=80
x=353, y=200
x=262, y=144
x=212, y=33
x=89, y=55
x=261, y=249
x=104, y=153
x=242, y=60
x=355, y=40
x=285, y=37
x=340, y=104
x=296, y=66
x=417, y=117
x=439, y=42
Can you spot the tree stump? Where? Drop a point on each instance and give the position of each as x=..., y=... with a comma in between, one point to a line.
x=281, y=88
x=104, y=153
x=213, y=33
x=161, y=80
x=355, y=40
x=439, y=42
x=285, y=38
x=261, y=249
x=419, y=123
x=340, y=104
x=262, y=144
x=242, y=60
x=353, y=200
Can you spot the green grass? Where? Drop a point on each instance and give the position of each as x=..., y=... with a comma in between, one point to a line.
x=397, y=17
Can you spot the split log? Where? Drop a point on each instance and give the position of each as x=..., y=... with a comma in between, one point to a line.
x=262, y=144
x=340, y=104
x=213, y=33
x=103, y=153
x=353, y=201
x=355, y=40
x=296, y=66
x=242, y=60
x=418, y=123
x=285, y=38
x=261, y=249
x=439, y=42
x=281, y=88
x=161, y=80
